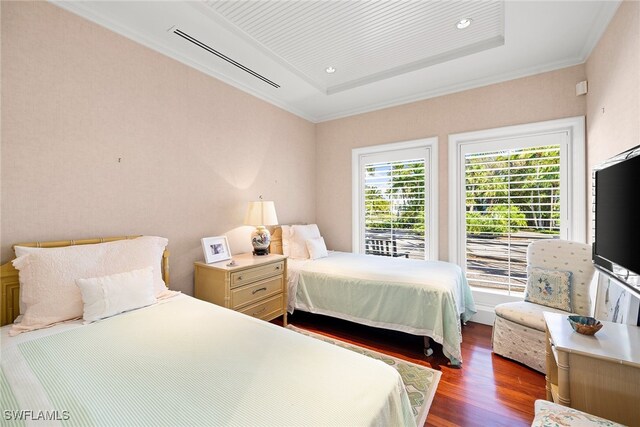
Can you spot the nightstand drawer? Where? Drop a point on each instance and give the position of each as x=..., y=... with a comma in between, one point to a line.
x=255, y=292
x=254, y=285
x=247, y=276
x=267, y=309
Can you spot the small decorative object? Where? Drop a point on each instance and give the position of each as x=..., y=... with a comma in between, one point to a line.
x=585, y=325
x=259, y=214
x=215, y=249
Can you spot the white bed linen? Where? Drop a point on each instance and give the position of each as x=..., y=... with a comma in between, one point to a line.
x=426, y=298
x=188, y=362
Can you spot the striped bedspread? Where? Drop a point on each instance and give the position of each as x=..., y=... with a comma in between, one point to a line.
x=187, y=362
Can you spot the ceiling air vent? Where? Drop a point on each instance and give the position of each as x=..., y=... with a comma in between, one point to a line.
x=224, y=57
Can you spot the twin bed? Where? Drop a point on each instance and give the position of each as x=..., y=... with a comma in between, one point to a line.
x=425, y=298
x=175, y=360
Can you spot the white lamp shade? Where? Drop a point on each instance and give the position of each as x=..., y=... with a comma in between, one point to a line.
x=261, y=213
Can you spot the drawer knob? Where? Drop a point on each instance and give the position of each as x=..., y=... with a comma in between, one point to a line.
x=258, y=290
x=259, y=311
x=277, y=267
x=239, y=277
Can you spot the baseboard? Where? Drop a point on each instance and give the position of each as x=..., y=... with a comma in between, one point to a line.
x=486, y=301
x=485, y=315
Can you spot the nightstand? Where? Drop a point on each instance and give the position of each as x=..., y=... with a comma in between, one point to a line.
x=597, y=374
x=255, y=285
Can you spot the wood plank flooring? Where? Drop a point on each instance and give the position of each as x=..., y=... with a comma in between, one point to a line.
x=487, y=391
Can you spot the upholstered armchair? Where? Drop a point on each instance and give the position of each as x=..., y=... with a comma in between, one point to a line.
x=552, y=414
x=559, y=276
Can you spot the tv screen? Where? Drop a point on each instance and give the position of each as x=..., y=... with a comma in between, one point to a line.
x=617, y=217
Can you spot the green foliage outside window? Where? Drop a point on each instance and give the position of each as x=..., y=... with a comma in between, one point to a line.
x=497, y=219
x=397, y=199
x=513, y=191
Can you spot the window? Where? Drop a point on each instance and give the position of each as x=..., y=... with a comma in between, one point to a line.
x=512, y=198
x=513, y=186
x=394, y=200
x=394, y=205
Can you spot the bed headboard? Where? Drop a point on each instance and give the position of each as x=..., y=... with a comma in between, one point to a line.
x=276, y=241
x=10, y=285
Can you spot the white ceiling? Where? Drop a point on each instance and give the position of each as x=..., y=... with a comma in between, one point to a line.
x=385, y=52
x=366, y=41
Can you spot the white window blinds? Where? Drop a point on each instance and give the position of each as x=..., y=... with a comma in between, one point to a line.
x=512, y=199
x=395, y=201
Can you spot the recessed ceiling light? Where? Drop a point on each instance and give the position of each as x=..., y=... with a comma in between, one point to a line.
x=463, y=23
x=330, y=70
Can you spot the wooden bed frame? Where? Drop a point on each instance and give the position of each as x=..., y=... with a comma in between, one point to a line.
x=275, y=247
x=10, y=285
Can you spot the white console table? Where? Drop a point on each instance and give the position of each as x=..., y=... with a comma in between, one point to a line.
x=597, y=374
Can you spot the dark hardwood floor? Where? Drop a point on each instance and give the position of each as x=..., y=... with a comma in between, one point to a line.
x=487, y=391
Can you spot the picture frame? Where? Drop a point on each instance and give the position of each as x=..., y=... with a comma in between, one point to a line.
x=614, y=303
x=215, y=249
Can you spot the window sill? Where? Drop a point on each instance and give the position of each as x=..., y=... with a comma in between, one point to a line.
x=493, y=297
x=486, y=301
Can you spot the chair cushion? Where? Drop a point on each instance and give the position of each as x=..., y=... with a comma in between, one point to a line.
x=525, y=313
x=549, y=287
x=549, y=414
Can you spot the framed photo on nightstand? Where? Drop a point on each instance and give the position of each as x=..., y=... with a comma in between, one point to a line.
x=215, y=249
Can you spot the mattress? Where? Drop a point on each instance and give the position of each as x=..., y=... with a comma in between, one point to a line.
x=188, y=362
x=428, y=298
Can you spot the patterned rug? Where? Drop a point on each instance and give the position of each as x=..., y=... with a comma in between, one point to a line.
x=419, y=381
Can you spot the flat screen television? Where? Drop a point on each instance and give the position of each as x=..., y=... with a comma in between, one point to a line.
x=616, y=247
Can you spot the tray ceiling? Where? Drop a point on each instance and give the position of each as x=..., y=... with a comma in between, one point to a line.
x=384, y=52
x=363, y=41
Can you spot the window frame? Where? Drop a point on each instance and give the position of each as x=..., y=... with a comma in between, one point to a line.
x=573, y=183
x=430, y=145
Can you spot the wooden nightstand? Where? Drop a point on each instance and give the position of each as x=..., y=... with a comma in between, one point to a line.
x=597, y=374
x=255, y=285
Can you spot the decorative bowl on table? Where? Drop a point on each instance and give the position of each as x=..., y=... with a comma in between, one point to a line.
x=585, y=325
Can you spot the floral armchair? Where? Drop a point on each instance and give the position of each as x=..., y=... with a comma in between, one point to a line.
x=559, y=278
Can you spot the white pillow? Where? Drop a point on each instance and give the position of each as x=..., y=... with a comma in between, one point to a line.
x=110, y=295
x=298, y=240
x=317, y=248
x=48, y=276
x=140, y=248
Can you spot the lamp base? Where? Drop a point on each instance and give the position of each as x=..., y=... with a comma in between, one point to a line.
x=260, y=239
x=259, y=252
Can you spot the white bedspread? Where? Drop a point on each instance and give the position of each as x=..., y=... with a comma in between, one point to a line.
x=187, y=362
x=426, y=298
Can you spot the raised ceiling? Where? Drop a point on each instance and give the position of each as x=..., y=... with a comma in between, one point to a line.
x=384, y=52
x=363, y=41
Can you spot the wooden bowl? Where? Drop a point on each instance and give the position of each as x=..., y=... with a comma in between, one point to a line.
x=585, y=325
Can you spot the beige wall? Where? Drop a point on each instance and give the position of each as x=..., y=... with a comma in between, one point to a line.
x=193, y=151
x=613, y=101
x=76, y=98
x=537, y=98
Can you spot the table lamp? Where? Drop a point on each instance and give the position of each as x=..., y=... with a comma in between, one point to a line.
x=259, y=214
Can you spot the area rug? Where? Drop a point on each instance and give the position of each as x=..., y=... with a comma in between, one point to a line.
x=419, y=381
